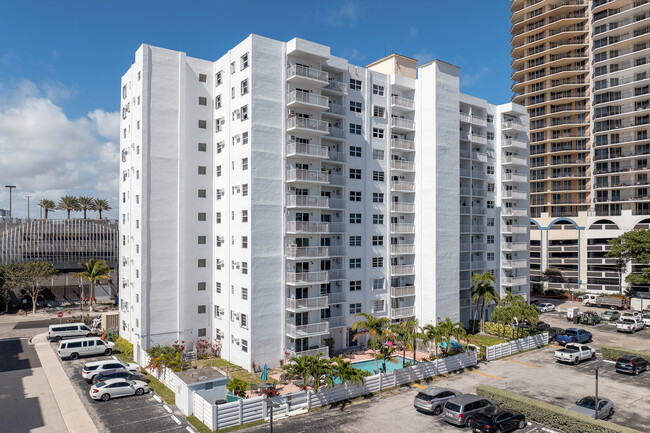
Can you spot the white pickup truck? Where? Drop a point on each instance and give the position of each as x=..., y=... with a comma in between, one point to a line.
x=629, y=325
x=574, y=353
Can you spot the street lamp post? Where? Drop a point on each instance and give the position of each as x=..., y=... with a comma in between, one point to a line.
x=11, y=187
x=28, y=197
x=596, y=403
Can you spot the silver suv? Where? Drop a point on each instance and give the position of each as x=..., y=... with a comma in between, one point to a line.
x=433, y=399
x=461, y=410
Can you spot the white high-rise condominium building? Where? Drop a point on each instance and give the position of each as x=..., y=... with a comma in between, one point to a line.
x=271, y=195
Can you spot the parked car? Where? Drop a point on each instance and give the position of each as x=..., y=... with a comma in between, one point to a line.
x=610, y=316
x=546, y=307
x=574, y=335
x=113, y=388
x=630, y=315
x=587, y=406
x=552, y=333
x=629, y=325
x=117, y=374
x=539, y=326
x=462, y=409
x=631, y=364
x=574, y=353
x=433, y=399
x=645, y=318
x=589, y=318
x=77, y=347
x=68, y=330
x=92, y=369
x=494, y=419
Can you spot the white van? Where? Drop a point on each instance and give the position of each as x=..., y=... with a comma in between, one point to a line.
x=77, y=347
x=68, y=330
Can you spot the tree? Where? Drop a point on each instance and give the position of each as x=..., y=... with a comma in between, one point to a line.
x=556, y=275
x=320, y=369
x=373, y=327
x=451, y=330
x=47, y=205
x=631, y=245
x=6, y=284
x=30, y=277
x=346, y=373
x=94, y=271
x=386, y=353
x=433, y=333
x=483, y=294
x=237, y=387
x=68, y=203
x=100, y=205
x=298, y=366
x=85, y=203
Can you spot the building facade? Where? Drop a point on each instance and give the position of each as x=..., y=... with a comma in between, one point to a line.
x=581, y=69
x=271, y=195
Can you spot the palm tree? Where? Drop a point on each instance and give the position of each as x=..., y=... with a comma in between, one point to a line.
x=298, y=366
x=99, y=205
x=483, y=293
x=373, y=327
x=47, y=205
x=69, y=203
x=85, y=203
x=320, y=368
x=386, y=353
x=398, y=332
x=407, y=333
x=93, y=271
x=346, y=373
x=452, y=329
x=433, y=334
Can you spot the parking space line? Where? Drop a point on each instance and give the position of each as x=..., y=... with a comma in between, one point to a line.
x=522, y=363
x=607, y=360
x=176, y=420
x=487, y=375
x=553, y=345
x=419, y=386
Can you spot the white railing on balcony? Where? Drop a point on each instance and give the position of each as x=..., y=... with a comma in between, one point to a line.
x=307, y=72
x=514, y=177
x=403, y=312
x=307, y=227
x=304, y=149
x=479, y=156
x=517, y=195
x=478, y=138
x=478, y=264
x=399, y=143
x=402, y=165
x=402, y=186
x=402, y=228
x=511, y=124
x=465, y=228
x=337, y=86
x=514, y=246
x=337, y=298
x=402, y=249
x=294, y=252
x=514, y=212
x=465, y=190
x=336, y=109
x=514, y=264
x=478, y=210
x=465, y=246
x=336, y=321
x=324, y=351
x=305, y=123
x=481, y=121
x=335, y=132
x=465, y=210
x=338, y=156
x=511, y=142
x=465, y=172
x=402, y=207
x=308, y=201
x=308, y=98
x=479, y=192
x=515, y=160
x=465, y=117
x=478, y=229
x=397, y=122
x=307, y=277
x=317, y=303
x=513, y=229
x=301, y=175
x=402, y=269
x=402, y=102
x=400, y=292
x=337, y=274
x=513, y=281
x=301, y=331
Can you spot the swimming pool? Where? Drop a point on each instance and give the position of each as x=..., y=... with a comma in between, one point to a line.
x=370, y=366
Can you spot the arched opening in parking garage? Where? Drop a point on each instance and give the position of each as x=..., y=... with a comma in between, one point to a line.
x=563, y=253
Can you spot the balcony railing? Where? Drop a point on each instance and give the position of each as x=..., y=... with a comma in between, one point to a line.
x=317, y=303
x=511, y=142
x=517, y=195
x=309, y=98
x=307, y=72
x=336, y=321
x=402, y=186
x=402, y=165
x=337, y=86
x=514, y=160
x=307, y=277
x=397, y=122
x=402, y=312
x=513, y=229
x=312, y=329
x=517, y=126
x=335, y=132
x=401, y=144
x=515, y=264
x=307, y=123
x=514, y=246
x=324, y=351
x=309, y=201
x=337, y=298
x=336, y=109
x=514, y=177
x=402, y=228
x=307, y=227
x=402, y=249
x=402, y=102
x=400, y=292
x=300, y=175
x=402, y=270
x=513, y=281
x=294, y=252
x=402, y=207
x=514, y=212
x=303, y=149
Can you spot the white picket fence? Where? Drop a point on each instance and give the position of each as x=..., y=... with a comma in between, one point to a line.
x=165, y=375
x=253, y=409
x=516, y=346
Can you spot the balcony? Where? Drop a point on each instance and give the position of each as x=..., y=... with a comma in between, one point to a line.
x=307, y=227
x=511, y=142
x=478, y=138
x=514, y=264
x=336, y=322
x=303, y=75
x=402, y=249
x=402, y=165
x=336, y=110
x=402, y=207
x=514, y=212
x=513, y=160
x=402, y=125
x=337, y=274
x=516, y=195
x=402, y=228
x=320, y=277
x=307, y=100
x=512, y=177
x=402, y=186
x=337, y=298
x=401, y=292
x=399, y=103
x=514, y=246
x=403, y=312
x=396, y=270
x=308, y=201
x=298, y=305
x=324, y=351
x=310, y=330
x=513, y=281
x=308, y=176
x=334, y=133
x=336, y=87
x=294, y=252
x=514, y=229
x=338, y=156
x=401, y=144
x=307, y=126
x=304, y=150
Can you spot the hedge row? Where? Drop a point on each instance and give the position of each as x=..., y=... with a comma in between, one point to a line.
x=123, y=346
x=549, y=415
x=613, y=353
x=498, y=329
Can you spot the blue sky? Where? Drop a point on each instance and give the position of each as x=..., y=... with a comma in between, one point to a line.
x=63, y=60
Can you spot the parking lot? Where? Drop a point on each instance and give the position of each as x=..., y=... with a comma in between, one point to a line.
x=137, y=414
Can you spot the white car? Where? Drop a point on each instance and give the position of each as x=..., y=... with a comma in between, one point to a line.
x=646, y=319
x=92, y=369
x=77, y=347
x=113, y=388
x=630, y=315
x=546, y=307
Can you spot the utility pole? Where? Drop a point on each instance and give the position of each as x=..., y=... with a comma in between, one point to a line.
x=28, y=197
x=596, y=403
x=11, y=187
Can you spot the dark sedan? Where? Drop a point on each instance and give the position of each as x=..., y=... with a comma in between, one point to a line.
x=552, y=333
x=494, y=419
x=116, y=374
x=631, y=364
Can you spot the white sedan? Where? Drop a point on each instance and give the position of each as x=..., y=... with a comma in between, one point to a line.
x=114, y=388
x=546, y=307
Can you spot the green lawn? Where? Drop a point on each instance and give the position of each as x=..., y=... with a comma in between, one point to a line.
x=486, y=340
x=234, y=371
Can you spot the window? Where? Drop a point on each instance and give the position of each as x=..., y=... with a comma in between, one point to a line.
x=203, y=124
x=218, y=217
x=355, y=241
x=244, y=138
x=219, y=126
x=244, y=241
x=355, y=263
x=490, y=187
x=377, y=284
x=244, y=190
x=232, y=92
x=355, y=286
x=378, y=240
x=201, y=216
x=490, y=239
x=355, y=151
x=490, y=169
x=218, y=171
x=244, y=216
x=203, y=78
x=201, y=263
x=355, y=173
x=355, y=218
x=202, y=147
x=218, y=287
x=378, y=306
x=355, y=308
x=355, y=195
x=378, y=111
x=355, y=129
x=244, y=293
x=244, y=164
x=124, y=92
x=244, y=113
x=201, y=240
x=244, y=87
x=490, y=204
x=244, y=345
x=201, y=193
x=378, y=154
x=355, y=107
x=377, y=197
x=378, y=176
x=219, y=78
x=377, y=219
x=377, y=90
x=203, y=100
x=243, y=62
x=201, y=285
x=244, y=268
x=201, y=169
x=243, y=320
x=378, y=132
x=201, y=309
x=220, y=193
x=490, y=222
x=377, y=262
x=355, y=84
x=232, y=67
x=217, y=102
x=220, y=146
x=490, y=256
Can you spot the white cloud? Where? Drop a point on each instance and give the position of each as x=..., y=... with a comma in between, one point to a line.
x=423, y=56
x=47, y=155
x=469, y=80
x=346, y=14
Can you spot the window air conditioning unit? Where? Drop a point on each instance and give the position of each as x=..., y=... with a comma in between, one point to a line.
x=236, y=316
x=401, y=238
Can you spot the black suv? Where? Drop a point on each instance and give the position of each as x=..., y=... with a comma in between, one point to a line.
x=631, y=364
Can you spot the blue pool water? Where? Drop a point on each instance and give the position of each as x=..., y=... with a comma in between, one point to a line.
x=369, y=365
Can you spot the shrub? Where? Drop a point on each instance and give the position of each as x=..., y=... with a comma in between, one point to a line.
x=549, y=415
x=507, y=331
x=123, y=346
x=237, y=387
x=613, y=353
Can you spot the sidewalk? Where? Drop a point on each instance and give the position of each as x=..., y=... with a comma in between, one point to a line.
x=72, y=409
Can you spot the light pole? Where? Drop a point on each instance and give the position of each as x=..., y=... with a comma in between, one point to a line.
x=596, y=403
x=28, y=197
x=11, y=187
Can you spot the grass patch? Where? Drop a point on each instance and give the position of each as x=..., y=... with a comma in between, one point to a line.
x=198, y=425
x=486, y=340
x=234, y=371
x=158, y=387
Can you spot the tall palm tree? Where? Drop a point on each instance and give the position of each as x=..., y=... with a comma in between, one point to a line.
x=298, y=366
x=483, y=294
x=346, y=373
x=47, y=205
x=100, y=205
x=94, y=271
x=68, y=203
x=407, y=333
x=386, y=353
x=373, y=327
x=433, y=334
x=320, y=368
x=85, y=203
x=452, y=329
